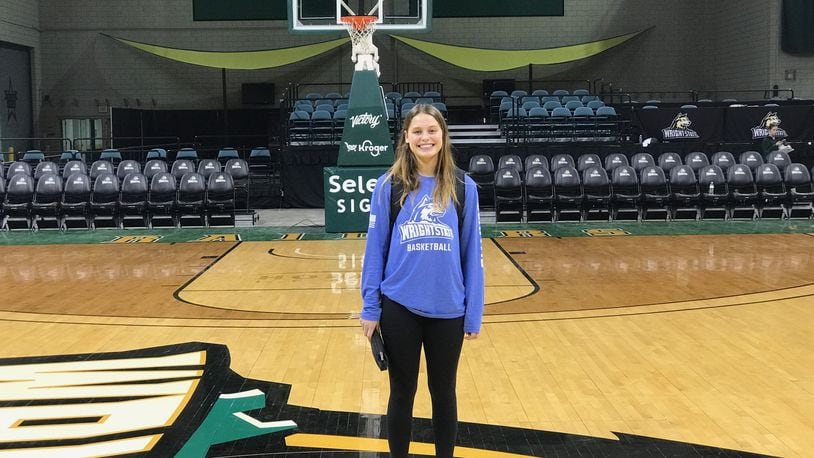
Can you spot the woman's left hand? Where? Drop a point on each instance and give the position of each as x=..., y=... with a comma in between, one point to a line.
x=471, y=335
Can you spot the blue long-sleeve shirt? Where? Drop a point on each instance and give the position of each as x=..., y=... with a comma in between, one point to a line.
x=421, y=265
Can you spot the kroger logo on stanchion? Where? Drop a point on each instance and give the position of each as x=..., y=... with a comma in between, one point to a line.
x=365, y=119
x=367, y=146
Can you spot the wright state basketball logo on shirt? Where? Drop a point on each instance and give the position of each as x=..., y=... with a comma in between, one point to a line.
x=425, y=225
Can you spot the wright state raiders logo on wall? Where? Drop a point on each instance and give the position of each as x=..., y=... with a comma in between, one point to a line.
x=679, y=128
x=762, y=130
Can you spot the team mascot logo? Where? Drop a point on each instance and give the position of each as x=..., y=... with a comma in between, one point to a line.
x=762, y=129
x=679, y=128
x=425, y=222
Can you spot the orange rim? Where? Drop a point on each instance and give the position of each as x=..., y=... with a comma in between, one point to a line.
x=358, y=22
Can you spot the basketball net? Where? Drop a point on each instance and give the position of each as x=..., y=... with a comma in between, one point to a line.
x=364, y=53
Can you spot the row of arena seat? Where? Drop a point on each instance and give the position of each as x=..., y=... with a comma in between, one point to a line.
x=563, y=192
x=134, y=201
x=483, y=164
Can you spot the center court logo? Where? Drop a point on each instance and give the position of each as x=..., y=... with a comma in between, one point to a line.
x=679, y=128
x=425, y=222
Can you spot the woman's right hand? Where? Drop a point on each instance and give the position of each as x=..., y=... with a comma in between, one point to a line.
x=368, y=327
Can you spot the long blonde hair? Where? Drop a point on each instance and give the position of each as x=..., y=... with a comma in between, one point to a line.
x=405, y=171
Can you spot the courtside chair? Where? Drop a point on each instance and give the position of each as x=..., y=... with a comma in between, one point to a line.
x=191, y=200
x=43, y=168
x=561, y=160
x=512, y=161
x=46, y=200
x=153, y=167
x=586, y=161
x=614, y=160
x=207, y=167
x=669, y=160
x=697, y=160
x=181, y=167
x=18, y=167
x=641, y=161
x=723, y=159
x=771, y=192
x=714, y=192
x=685, y=194
x=626, y=193
x=220, y=200
x=127, y=167
x=17, y=203
x=482, y=171
x=801, y=191
x=133, y=201
x=75, y=205
x=535, y=160
x=104, y=201
x=99, y=168
x=779, y=158
x=72, y=167
x=239, y=169
x=539, y=193
x=597, y=189
x=655, y=193
x=743, y=194
x=753, y=159
x=568, y=194
x=508, y=195
x=162, y=201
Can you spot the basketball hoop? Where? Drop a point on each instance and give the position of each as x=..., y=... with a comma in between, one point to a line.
x=360, y=28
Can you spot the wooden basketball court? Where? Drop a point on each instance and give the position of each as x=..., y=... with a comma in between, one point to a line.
x=702, y=342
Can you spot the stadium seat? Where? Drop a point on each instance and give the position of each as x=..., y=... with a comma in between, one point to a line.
x=568, y=194
x=508, y=195
x=207, y=167
x=614, y=160
x=18, y=167
x=225, y=154
x=133, y=201
x=73, y=166
x=696, y=160
x=156, y=153
x=742, y=192
x=186, y=153
x=220, y=200
x=104, y=200
x=597, y=189
x=771, y=190
x=535, y=160
x=482, y=172
x=511, y=161
x=753, y=159
x=260, y=164
x=127, y=167
x=626, y=193
x=714, y=192
x=641, y=161
x=669, y=160
x=801, y=191
x=17, y=203
x=723, y=159
x=539, y=195
x=586, y=161
x=191, y=200
x=561, y=160
x=655, y=193
x=154, y=166
x=75, y=204
x=685, y=194
x=44, y=167
x=45, y=203
x=161, y=200
x=33, y=157
x=111, y=155
x=181, y=167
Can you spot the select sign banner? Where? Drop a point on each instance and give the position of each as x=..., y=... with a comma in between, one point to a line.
x=347, y=197
x=366, y=137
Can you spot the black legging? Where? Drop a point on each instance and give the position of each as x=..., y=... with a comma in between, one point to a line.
x=404, y=333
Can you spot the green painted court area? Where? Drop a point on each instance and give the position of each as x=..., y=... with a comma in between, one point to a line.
x=266, y=233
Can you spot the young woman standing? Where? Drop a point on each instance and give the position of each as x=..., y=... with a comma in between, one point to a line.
x=422, y=281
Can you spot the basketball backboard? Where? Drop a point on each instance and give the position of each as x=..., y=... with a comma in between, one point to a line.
x=325, y=15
